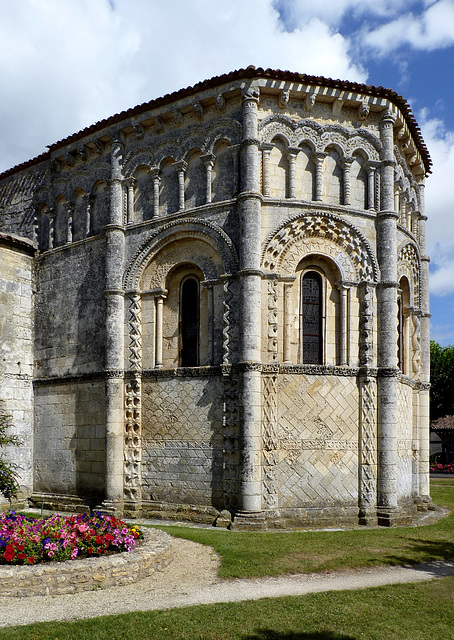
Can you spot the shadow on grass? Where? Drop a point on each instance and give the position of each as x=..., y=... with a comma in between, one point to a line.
x=439, y=549
x=269, y=634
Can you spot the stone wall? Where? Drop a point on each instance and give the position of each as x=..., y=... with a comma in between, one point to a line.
x=182, y=440
x=404, y=440
x=16, y=348
x=317, y=441
x=69, y=311
x=69, y=445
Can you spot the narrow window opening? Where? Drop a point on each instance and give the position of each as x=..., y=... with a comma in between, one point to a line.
x=189, y=322
x=312, y=318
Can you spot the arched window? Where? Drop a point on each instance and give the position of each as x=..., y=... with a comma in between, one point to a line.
x=311, y=318
x=189, y=322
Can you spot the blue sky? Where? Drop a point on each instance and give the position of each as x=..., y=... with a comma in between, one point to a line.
x=69, y=63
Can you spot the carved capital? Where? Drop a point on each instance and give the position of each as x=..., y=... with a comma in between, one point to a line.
x=251, y=93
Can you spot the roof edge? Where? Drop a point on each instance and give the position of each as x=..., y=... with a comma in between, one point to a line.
x=249, y=73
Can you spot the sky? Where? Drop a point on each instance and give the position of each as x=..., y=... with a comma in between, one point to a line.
x=66, y=64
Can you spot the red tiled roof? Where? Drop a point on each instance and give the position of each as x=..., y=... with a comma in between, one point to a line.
x=248, y=73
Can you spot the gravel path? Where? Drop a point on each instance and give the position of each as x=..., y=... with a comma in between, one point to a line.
x=192, y=579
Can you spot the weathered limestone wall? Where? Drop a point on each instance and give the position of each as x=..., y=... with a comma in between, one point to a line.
x=404, y=440
x=317, y=436
x=69, y=311
x=16, y=349
x=69, y=445
x=182, y=440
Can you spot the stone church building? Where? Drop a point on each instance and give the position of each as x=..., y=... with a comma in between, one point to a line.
x=217, y=302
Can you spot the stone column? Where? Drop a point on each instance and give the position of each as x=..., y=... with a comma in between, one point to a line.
x=318, y=159
x=425, y=352
x=181, y=168
x=346, y=164
x=51, y=239
x=249, y=202
x=387, y=291
x=130, y=184
x=156, y=178
x=371, y=169
x=368, y=409
x=266, y=154
x=89, y=206
x=343, y=324
x=159, y=301
x=114, y=297
x=69, y=222
x=208, y=161
x=292, y=154
x=288, y=317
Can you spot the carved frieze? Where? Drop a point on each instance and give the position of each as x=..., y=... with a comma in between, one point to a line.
x=291, y=241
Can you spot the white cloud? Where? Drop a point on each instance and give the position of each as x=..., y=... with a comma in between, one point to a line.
x=296, y=13
x=68, y=63
x=440, y=204
x=432, y=29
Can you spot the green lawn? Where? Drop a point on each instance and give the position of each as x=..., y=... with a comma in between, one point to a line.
x=255, y=554
x=400, y=612
x=422, y=611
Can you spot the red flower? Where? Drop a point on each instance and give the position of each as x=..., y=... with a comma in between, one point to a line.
x=9, y=553
x=21, y=555
x=31, y=560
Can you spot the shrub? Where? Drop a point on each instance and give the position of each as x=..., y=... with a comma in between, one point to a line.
x=441, y=468
x=9, y=477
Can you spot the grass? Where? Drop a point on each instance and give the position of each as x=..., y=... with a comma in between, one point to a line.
x=423, y=611
x=256, y=554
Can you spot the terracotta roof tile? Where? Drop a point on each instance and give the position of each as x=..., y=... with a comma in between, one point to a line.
x=250, y=72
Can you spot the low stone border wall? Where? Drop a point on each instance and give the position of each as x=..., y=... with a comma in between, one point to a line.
x=72, y=576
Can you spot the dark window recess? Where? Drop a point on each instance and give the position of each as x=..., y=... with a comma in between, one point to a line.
x=189, y=323
x=312, y=318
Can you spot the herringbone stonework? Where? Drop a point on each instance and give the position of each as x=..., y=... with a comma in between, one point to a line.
x=182, y=440
x=318, y=447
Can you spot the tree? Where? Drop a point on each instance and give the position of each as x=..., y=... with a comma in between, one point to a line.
x=442, y=380
x=9, y=477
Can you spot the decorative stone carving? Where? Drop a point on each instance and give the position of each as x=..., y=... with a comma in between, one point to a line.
x=284, y=249
x=231, y=434
x=408, y=263
x=135, y=333
x=133, y=445
x=272, y=318
x=270, y=445
x=366, y=324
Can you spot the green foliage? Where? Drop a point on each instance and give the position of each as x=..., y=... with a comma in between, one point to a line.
x=9, y=485
x=442, y=380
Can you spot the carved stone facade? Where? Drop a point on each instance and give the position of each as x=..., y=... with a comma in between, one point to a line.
x=229, y=307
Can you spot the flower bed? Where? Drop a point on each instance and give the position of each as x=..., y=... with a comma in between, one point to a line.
x=441, y=468
x=28, y=541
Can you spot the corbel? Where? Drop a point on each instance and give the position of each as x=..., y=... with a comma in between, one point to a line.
x=363, y=110
x=284, y=98
x=198, y=109
x=337, y=107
